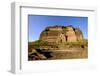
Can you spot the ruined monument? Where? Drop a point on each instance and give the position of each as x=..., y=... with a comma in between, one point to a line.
x=61, y=34
x=58, y=42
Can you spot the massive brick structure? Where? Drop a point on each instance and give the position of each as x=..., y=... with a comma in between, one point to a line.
x=61, y=34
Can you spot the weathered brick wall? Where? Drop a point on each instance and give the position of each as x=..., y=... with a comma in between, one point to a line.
x=60, y=34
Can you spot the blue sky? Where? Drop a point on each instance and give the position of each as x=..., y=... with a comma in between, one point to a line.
x=37, y=23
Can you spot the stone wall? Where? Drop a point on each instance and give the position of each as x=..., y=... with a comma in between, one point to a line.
x=71, y=36
x=61, y=34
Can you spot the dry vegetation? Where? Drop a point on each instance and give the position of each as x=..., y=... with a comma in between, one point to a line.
x=70, y=55
x=37, y=51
